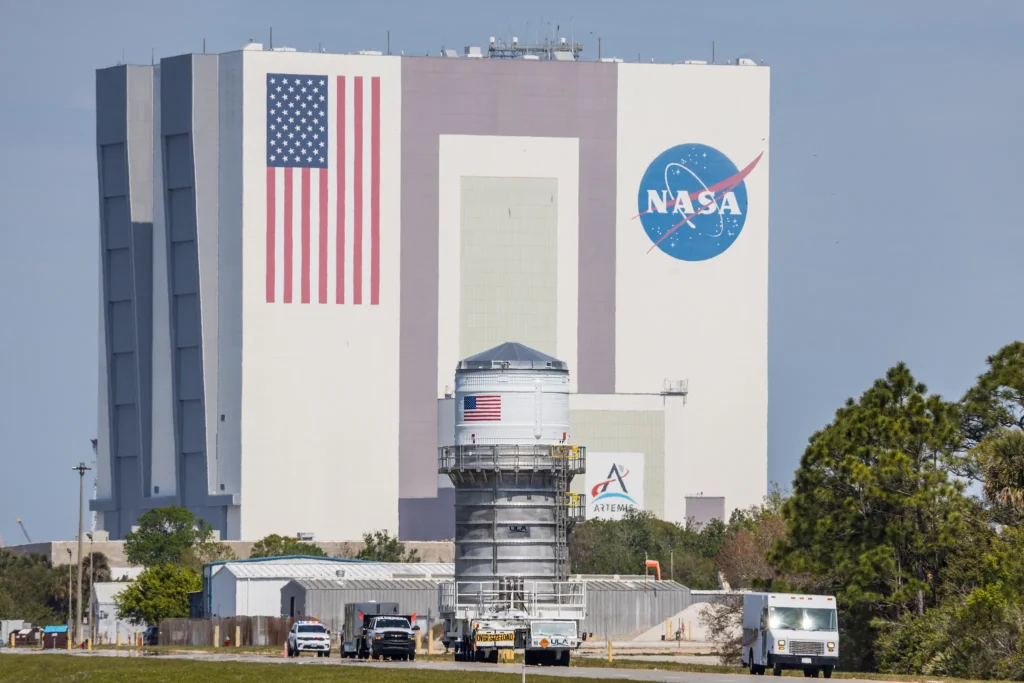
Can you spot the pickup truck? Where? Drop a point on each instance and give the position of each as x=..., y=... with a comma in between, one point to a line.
x=377, y=630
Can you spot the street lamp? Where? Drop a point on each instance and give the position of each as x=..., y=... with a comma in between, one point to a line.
x=81, y=469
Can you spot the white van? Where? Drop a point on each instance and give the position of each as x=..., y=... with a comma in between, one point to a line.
x=787, y=631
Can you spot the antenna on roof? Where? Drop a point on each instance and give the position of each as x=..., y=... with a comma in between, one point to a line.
x=271, y=37
x=712, y=52
x=204, y=46
x=389, y=42
x=152, y=56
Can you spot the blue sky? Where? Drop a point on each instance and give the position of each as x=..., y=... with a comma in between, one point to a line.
x=896, y=139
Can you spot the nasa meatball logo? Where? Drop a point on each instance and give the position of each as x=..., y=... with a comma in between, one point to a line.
x=692, y=201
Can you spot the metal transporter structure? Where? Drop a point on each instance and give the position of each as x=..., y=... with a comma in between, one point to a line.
x=511, y=467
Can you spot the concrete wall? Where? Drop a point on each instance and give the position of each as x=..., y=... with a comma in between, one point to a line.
x=704, y=320
x=319, y=413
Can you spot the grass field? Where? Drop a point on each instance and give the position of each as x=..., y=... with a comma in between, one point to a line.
x=64, y=669
x=59, y=667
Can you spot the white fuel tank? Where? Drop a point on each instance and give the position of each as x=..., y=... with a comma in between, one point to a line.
x=511, y=394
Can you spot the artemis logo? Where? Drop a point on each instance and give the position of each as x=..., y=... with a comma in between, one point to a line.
x=616, y=480
x=692, y=201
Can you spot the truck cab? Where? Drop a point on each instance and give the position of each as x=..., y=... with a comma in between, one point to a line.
x=551, y=642
x=790, y=631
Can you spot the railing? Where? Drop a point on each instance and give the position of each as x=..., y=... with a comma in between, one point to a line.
x=544, y=599
x=505, y=457
x=576, y=506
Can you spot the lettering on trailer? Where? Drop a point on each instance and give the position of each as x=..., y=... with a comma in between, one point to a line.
x=519, y=529
x=495, y=637
x=692, y=201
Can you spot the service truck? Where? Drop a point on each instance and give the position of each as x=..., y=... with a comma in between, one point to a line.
x=378, y=630
x=790, y=631
x=540, y=618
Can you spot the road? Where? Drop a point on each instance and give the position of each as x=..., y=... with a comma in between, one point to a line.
x=575, y=671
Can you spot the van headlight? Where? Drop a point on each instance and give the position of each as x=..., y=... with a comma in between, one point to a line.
x=831, y=645
x=782, y=644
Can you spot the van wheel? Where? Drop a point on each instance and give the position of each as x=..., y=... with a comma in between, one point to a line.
x=777, y=670
x=827, y=671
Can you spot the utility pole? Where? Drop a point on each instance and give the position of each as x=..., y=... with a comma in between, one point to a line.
x=70, y=622
x=92, y=582
x=81, y=469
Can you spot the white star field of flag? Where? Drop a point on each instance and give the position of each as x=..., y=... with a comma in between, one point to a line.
x=297, y=121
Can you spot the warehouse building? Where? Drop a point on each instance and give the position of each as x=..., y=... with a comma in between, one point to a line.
x=253, y=587
x=282, y=286
x=617, y=606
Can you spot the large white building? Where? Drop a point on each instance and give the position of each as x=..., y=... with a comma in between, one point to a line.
x=297, y=248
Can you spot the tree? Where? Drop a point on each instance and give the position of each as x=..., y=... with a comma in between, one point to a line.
x=1001, y=459
x=158, y=593
x=600, y=546
x=723, y=622
x=977, y=632
x=280, y=546
x=997, y=399
x=743, y=558
x=874, y=517
x=381, y=547
x=171, y=535
x=31, y=588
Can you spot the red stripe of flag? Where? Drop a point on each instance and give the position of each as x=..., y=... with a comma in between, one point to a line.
x=305, y=235
x=357, y=191
x=339, y=171
x=322, y=251
x=271, y=226
x=288, y=183
x=375, y=194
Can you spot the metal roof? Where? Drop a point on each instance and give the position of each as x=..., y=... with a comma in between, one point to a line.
x=512, y=356
x=653, y=586
x=304, y=569
x=367, y=584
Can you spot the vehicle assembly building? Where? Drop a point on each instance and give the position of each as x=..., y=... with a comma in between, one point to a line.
x=298, y=247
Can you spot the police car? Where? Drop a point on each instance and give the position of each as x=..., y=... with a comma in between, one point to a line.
x=309, y=636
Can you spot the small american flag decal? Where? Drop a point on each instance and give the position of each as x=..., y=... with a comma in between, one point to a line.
x=481, y=408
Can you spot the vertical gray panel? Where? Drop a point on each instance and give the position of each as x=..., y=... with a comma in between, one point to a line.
x=116, y=222
x=189, y=127
x=112, y=170
x=185, y=268
x=181, y=214
x=121, y=327
x=124, y=378
x=124, y=134
x=186, y=320
x=192, y=427
x=126, y=439
x=119, y=275
x=205, y=134
x=428, y=519
x=130, y=499
x=461, y=97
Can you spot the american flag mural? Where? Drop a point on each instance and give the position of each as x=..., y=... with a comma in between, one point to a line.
x=481, y=408
x=323, y=189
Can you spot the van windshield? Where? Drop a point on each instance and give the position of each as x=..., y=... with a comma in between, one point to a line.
x=802, y=619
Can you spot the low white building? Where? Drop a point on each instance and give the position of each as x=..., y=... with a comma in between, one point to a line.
x=104, y=611
x=253, y=587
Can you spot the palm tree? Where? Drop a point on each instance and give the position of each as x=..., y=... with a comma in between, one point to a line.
x=1001, y=457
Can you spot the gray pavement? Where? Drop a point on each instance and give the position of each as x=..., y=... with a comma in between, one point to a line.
x=531, y=672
